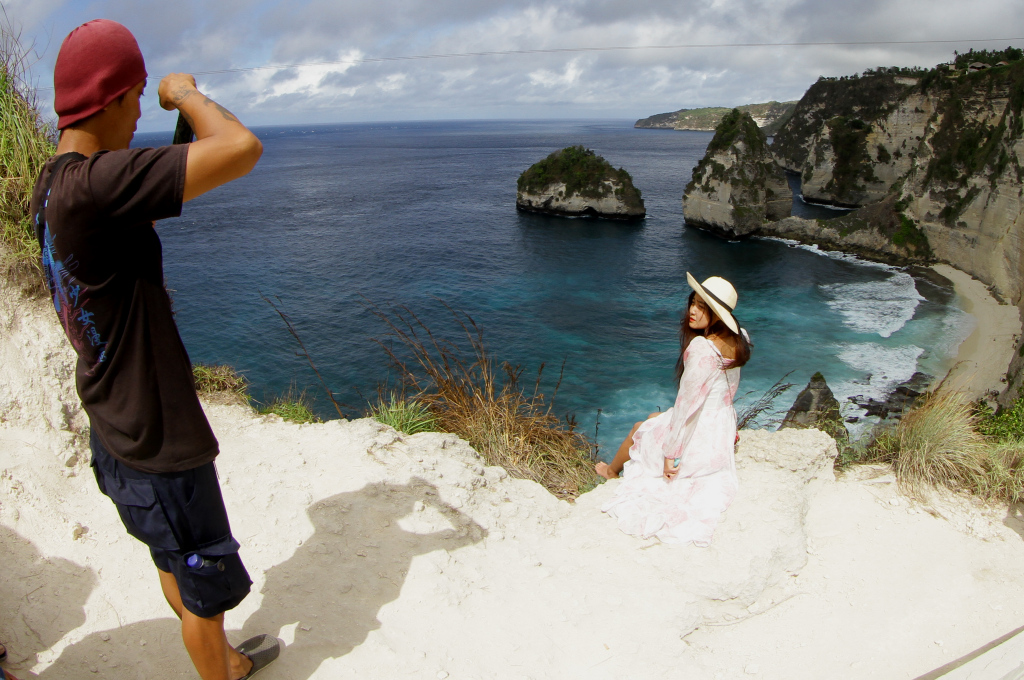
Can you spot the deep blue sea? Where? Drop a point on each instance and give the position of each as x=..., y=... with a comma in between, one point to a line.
x=416, y=214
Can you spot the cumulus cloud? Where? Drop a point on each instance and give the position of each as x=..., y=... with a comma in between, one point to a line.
x=239, y=34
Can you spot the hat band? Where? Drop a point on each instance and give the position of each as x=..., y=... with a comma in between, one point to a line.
x=715, y=298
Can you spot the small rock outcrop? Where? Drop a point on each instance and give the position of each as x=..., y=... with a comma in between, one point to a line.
x=737, y=185
x=576, y=182
x=815, y=407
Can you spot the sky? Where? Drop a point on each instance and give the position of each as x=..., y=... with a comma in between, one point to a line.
x=193, y=37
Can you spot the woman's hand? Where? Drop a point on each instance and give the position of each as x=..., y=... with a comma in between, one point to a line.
x=671, y=468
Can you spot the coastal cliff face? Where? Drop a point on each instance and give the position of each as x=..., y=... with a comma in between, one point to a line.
x=575, y=182
x=737, y=185
x=769, y=116
x=945, y=148
x=876, y=232
x=848, y=137
x=555, y=200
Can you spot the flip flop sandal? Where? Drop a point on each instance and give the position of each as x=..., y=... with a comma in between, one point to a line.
x=261, y=650
x=3, y=653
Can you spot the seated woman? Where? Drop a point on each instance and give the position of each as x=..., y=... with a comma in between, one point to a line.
x=678, y=469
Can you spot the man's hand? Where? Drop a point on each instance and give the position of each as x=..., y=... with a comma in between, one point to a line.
x=174, y=89
x=671, y=468
x=224, y=149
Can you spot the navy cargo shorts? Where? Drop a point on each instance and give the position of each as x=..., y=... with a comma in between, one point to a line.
x=181, y=517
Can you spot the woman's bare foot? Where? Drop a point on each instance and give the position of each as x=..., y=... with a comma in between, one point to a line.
x=605, y=470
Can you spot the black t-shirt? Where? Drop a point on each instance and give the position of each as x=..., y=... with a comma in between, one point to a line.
x=104, y=266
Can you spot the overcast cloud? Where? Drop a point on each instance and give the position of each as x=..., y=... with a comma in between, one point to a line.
x=193, y=36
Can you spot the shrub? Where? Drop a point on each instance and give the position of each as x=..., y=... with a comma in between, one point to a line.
x=25, y=144
x=473, y=396
x=215, y=379
x=936, y=444
x=405, y=415
x=293, y=405
x=1004, y=470
x=1008, y=424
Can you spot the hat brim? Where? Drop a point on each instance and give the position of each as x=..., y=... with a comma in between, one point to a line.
x=721, y=311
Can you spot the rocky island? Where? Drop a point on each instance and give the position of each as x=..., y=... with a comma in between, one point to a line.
x=576, y=182
x=737, y=185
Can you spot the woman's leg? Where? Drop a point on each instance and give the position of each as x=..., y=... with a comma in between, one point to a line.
x=612, y=470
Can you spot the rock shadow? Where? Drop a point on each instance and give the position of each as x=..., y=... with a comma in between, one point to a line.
x=1015, y=518
x=41, y=599
x=355, y=563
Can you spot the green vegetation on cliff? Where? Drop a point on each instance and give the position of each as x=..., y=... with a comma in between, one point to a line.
x=852, y=98
x=734, y=126
x=738, y=156
x=25, y=144
x=773, y=113
x=583, y=172
x=990, y=57
x=965, y=146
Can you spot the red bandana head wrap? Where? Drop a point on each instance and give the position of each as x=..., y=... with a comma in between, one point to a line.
x=98, y=62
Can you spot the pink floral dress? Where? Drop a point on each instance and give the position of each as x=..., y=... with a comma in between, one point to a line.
x=700, y=430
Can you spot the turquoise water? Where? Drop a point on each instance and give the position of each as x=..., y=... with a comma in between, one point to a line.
x=418, y=213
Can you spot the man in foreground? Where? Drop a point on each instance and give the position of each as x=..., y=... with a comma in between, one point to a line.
x=94, y=205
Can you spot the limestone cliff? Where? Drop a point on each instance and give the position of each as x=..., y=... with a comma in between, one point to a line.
x=576, y=182
x=737, y=185
x=769, y=116
x=936, y=155
x=880, y=231
x=945, y=147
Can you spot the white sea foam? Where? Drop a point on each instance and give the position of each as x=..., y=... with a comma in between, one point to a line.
x=881, y=307
x=831, y=254
x=883, y=367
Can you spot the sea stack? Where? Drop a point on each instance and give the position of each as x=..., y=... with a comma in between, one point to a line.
x=816, y=407
x=737, y=185
x=576, y=182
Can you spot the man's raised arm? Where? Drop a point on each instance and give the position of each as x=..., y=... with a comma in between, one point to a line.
x=224, y=149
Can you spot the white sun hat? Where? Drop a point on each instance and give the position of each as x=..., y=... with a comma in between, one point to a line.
x=720, y=296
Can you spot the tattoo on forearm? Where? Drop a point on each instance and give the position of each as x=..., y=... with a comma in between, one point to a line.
x=181, y=94
x=224, y=112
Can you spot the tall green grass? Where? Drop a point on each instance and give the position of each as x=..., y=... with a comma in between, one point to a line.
x=941, y=443
x=294, y=405
x=26, y=141
x=482, y=401
x=405, y=415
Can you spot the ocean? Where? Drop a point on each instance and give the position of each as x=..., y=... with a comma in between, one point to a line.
x=422, y=215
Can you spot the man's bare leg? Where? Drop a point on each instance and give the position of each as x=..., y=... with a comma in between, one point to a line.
x=204, y=638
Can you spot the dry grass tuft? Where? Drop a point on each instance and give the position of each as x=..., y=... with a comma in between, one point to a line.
x=472, y=396
x=26, y=141
x=1004, y=471
x=937, y=444
x=220, y=379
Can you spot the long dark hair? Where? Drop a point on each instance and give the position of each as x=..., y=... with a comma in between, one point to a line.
x=716, y=327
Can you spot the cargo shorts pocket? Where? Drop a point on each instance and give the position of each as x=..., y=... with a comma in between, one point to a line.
x=141, y=514
x=215, y=580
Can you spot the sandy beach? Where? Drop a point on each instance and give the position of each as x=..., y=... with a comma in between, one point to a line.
x=982, y=359
x=375, y=554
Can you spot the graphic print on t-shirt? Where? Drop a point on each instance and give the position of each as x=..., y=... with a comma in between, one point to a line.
x=69, y=299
